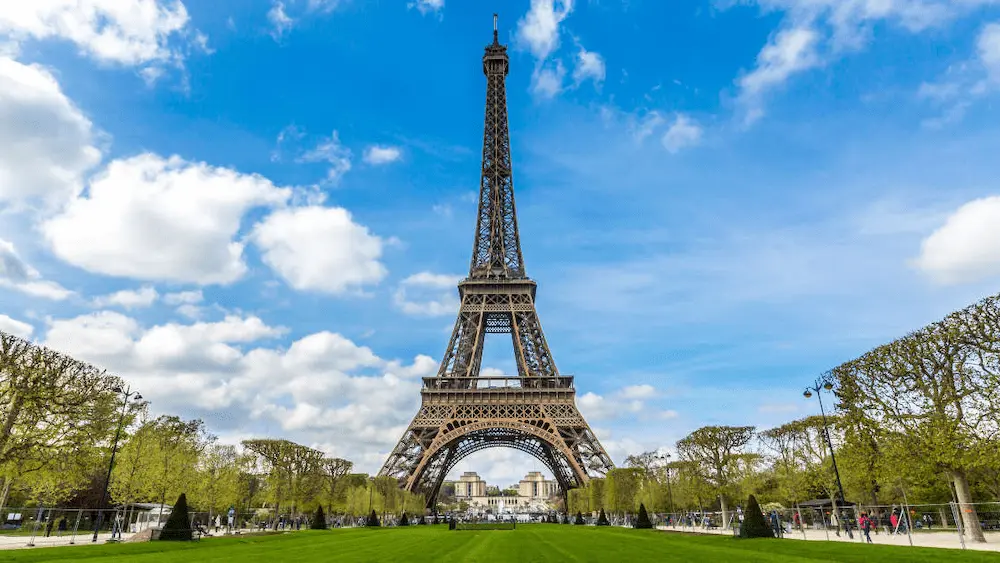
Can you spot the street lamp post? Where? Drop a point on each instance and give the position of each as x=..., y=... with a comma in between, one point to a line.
x=670, y=493
x=825, y=383
x=127, y=393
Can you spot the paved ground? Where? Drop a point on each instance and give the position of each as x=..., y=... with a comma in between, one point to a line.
x=81, y=538
x=943, y=538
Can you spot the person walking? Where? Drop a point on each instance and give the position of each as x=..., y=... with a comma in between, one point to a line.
x=865, y=523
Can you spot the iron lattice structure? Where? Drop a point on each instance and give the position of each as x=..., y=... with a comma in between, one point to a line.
x=461, y=412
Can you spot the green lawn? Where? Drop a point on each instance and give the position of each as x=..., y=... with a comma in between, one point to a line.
x=526, y=544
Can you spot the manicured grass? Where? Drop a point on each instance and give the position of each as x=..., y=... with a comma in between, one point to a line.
x=526, y=544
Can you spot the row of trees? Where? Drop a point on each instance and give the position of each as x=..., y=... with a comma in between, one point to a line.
x=59, y=418
x=917, y=417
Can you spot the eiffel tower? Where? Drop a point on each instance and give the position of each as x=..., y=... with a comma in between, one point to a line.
x=463, y=412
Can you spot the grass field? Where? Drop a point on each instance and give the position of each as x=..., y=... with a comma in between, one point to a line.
x=526, y=544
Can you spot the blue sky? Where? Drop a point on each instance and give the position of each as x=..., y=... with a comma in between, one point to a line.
x=257, y=211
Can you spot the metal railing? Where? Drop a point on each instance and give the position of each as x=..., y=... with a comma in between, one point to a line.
x=483, y=383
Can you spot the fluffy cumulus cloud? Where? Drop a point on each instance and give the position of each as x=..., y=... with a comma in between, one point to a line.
x=152, y=218
x=320, y=249
x=128, y=32
x=376, y=155
x=47, y=142
x=683, y=132
x=967, y=247
x=128, y=298
x=18, y=275
x=538, y=30
x=230, y=371
x=427, y=294
x=15, y=327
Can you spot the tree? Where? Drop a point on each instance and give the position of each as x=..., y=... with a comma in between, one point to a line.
x=602, y=519
x=642, y=521
x=404, y=521
x=754, y=525
x=218, y=471
x=52, y=408
x=579, y=519
x=719, y=450
x=372, y=520
x=319, y=519
x=334, y=472
x=938, y=388
x=178, y=525
x=294, y=472
x=621, y=486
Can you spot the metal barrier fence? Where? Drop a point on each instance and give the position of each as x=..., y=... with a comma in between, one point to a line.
x=923, y=525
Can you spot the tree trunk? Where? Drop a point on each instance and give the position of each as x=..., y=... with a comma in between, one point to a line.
x=6, y=489
x=970, y=520
x=943, y=517
x=725, y=512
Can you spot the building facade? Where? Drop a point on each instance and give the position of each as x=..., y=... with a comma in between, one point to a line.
x=533, y=493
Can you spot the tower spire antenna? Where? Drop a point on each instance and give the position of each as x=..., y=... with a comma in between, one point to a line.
x=496, y=39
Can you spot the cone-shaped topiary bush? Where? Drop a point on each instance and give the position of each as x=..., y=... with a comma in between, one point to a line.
x=178, y=526
x=642, y=521
x=319, y=519
x=754, y=525
x=422, y=521
x=579, y=519
x=373, y=520
x=602, y=519
x=404, y=521
x=451, y=523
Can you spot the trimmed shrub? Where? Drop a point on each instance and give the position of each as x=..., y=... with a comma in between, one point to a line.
x=579, y=519
x=319, y=519
x=404, y=521
x=642, y=521
x=754, y=525
x=436, y=521
x=451, y=523
x=422, y=521
x=178, y=526
x=602, y=519
x=372, y=520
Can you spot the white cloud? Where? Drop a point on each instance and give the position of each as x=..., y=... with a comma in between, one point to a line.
x=332, y=152
x=683, y=132
x=427, y=6
x=589, y=66
x=547, y=81
x=320, y=385
x=638, y=392
x=183, y=298
x=128, y=298
x=988, y=47
x=280, y=21
x=47, y=142
x=814, y=32
x=538, y=30
x=15, y=327
x=436, y=294
x=320, y=249
x=16, y=274
x=152, y=218
x=967, y=247
x=788, y=52
x=127, y=32
x=627, y=400
x=376, y=155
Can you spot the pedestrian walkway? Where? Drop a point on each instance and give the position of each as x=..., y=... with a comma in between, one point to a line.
x=944, y=538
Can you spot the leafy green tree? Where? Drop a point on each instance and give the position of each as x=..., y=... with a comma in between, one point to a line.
x=621, y=489
x=939, y=389
x=719, y=452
